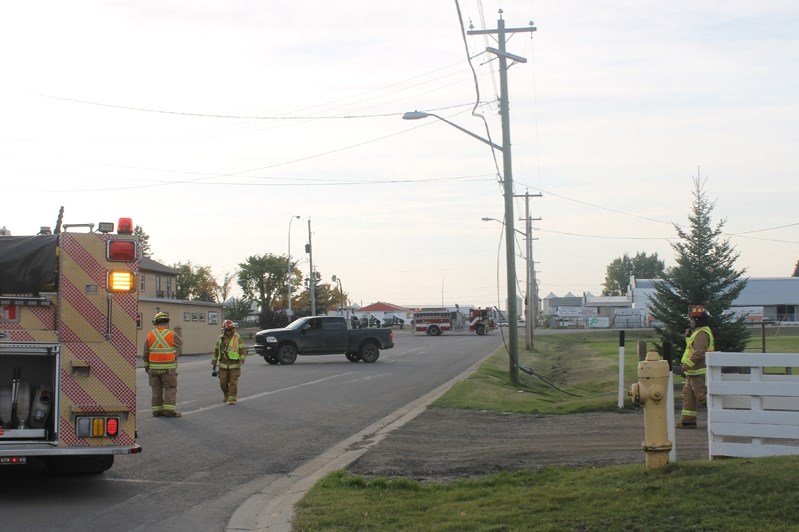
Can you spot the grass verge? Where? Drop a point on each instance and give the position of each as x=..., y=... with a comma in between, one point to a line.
x=574, y=372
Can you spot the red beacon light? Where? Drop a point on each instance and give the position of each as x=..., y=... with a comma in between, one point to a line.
x=125, y=226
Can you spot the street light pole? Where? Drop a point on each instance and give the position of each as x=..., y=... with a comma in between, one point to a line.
x=532, y=296
x=503, y=55
x=528, y=257
x=343, y=301
x=312, y=277
x=288, y=268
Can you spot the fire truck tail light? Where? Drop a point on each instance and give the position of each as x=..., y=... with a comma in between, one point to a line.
x=121, y=250
x=97, y=427
x=121, y=281
x=112, y=426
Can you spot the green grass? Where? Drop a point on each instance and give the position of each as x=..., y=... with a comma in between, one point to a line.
x=575, y=372
x=720, y=495
x=735, y=494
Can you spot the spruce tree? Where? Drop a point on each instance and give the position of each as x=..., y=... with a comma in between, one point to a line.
x=144, y=241
x=705, y=274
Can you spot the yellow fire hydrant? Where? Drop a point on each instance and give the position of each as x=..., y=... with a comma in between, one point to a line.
x=650, y=391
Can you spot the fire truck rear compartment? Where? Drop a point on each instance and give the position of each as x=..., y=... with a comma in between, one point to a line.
x=28, y=394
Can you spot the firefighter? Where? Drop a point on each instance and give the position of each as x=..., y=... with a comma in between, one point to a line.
x=699, y=341
x=229, y=354
x=161, y=363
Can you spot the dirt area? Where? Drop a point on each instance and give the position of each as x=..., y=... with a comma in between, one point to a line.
x=446, y=444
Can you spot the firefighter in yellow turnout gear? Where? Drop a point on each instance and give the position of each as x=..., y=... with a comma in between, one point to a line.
x=699, y=341
x=161, y=350
x=229, y=355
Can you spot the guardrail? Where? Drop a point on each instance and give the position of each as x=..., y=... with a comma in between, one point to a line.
x=753, y=405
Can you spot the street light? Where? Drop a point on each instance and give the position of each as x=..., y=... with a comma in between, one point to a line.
x=510, y=249
x=486, y=219
x=288, y=268
x=416, y=115
x=343, y=301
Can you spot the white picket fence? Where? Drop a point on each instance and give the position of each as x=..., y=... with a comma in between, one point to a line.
x=754, y=414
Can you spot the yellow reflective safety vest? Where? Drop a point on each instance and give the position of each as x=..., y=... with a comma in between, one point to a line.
x=228, y=357
x=694, y=367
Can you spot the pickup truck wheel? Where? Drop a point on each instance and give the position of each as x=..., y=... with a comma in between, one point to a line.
x=270, y=359
x=480, y=329
x=433, y=330
x=353, y=357
x=286, y=354
x=370, y=352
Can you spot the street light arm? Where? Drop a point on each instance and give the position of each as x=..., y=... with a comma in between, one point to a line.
x=486, y=219
x=416, y=115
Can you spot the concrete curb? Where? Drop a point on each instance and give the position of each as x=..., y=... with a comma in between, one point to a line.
x=272, y=508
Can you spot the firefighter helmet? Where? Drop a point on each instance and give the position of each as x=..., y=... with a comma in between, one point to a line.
x=228, y=325
x=161, y=317
x=698, y=311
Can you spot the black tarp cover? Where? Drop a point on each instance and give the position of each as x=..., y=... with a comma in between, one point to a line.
x=27, y=264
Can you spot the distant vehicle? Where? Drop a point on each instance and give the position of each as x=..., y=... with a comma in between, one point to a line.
x=321, y=335
x=391, y=321
x=438, y=321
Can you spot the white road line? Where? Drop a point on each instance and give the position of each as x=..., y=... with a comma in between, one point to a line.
x=262, y=394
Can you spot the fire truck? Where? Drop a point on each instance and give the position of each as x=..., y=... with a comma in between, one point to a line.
x=68, y=324
x=433, y=322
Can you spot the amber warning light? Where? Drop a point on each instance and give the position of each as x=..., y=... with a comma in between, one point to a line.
x=121, y=281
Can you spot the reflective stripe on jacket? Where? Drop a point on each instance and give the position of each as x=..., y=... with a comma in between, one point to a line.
x=697, y=367
x=229, y=358
x=163, y=355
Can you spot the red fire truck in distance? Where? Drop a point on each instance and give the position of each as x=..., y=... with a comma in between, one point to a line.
x=433, y=322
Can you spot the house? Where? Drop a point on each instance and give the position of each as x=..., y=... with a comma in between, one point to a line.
x=197, y=322
x=383, y=312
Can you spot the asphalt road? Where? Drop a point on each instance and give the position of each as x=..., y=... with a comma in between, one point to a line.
x=194, y=472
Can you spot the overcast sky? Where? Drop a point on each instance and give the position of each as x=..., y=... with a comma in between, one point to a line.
x=213, y=123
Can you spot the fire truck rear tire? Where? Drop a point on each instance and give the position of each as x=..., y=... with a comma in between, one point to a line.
x=480, y=329
x=286, y=354
x=433, y=330
x=85, y=465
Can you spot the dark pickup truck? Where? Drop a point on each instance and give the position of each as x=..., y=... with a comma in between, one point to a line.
x=321, y=335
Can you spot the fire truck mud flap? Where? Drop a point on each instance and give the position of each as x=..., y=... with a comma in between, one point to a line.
x=80, y=465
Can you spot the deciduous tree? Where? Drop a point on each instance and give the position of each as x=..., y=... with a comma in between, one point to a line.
x=262, y=278
x=619, y=271
x=195, y=283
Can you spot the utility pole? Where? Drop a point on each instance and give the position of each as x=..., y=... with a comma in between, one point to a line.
x=531, y=309
x=510, y=254
x=311, y=278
